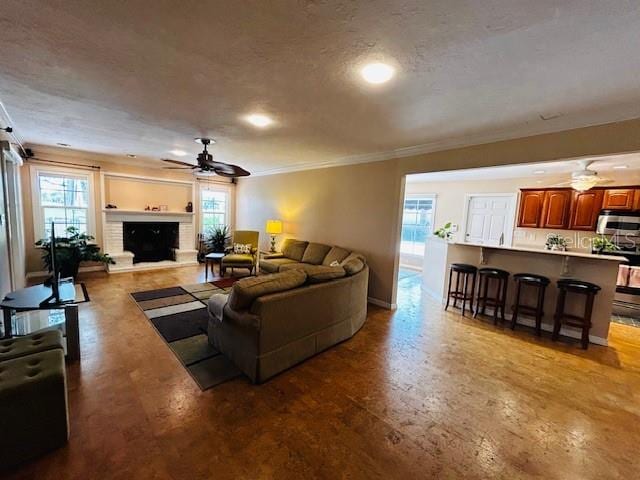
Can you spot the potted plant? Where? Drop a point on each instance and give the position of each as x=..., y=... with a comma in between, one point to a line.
x=602, y=244
x=218, y=238
x=555, y=241
x=444, y=232
x=76, y=247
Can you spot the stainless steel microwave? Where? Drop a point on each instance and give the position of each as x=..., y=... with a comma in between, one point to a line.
x=620, y=223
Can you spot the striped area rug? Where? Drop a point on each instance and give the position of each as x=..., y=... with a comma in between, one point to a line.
x=179, y=315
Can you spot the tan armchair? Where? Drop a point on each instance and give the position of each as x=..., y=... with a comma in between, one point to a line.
x=241, y=260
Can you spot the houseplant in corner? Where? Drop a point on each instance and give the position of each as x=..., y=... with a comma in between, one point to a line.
x=76, y=247
x=218, y=238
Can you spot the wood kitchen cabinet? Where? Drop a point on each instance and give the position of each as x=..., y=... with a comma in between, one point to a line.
x=619, y=198
x=556, y=209
x=565, y=208
x=585, y=207
x=530, y=213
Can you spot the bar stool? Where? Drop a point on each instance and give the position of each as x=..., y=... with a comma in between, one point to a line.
x=501, y=278
x=540, y=284
x=466, y=271
x=590, y=290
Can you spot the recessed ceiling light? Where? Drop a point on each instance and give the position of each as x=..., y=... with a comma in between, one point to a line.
x=620, y=167
x=178, y=153
x=199, y=140
x=63, y=144
x=377, y=73
x=539, y=172
x=259, y=120
x=131, y=155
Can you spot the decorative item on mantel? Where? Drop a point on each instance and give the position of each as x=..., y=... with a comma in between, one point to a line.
x=189, y=207
x=111, y=206
x=164, y=208
x=557, y=242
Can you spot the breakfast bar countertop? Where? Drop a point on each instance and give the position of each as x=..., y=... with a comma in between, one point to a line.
x=547, y=252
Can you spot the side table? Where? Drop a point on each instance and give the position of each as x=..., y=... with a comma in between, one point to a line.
x=211, y=259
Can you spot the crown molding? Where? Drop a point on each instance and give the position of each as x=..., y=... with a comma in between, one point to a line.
x=435, y=146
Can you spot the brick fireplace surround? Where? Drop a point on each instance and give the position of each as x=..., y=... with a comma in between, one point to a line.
x=113, y=239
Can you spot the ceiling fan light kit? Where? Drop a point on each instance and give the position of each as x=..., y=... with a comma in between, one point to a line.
x=207, y=165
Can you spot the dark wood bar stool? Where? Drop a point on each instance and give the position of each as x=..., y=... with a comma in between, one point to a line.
x=467, y=274
x=540, y=284
x=500, y=278
x=589, y=290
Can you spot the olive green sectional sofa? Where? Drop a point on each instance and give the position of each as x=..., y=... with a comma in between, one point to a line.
x=271, y=322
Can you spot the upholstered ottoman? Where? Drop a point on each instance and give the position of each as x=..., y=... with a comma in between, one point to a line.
x=34, y=343
x=33, y=395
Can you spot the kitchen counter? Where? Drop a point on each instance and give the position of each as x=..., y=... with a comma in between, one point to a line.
x=555, y=265
x=614, y=258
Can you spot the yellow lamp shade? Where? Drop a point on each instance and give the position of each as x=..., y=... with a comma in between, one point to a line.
x=274, y=227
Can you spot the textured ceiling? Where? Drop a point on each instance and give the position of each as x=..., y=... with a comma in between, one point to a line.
x=146, y=77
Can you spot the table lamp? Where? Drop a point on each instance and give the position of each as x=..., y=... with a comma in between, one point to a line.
x=274, y=227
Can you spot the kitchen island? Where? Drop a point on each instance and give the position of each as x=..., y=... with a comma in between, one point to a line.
x=555, y=265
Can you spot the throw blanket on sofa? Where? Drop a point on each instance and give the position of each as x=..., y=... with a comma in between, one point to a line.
x=216, y=305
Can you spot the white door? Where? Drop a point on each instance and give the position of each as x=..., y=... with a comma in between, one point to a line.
x=490, y=219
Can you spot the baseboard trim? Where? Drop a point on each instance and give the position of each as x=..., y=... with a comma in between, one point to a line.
x=151, y=267
x=44, y=273
x=380, y=303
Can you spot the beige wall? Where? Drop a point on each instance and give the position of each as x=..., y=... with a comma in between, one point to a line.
x=450, y=203
x=125, y=194
x=359, y=206
x=129, y=194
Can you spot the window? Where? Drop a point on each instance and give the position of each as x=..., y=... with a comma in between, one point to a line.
x=214, y=208
x=417, y=224
x=62, y=199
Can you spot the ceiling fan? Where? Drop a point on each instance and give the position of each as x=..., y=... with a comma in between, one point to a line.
x=206, y=164
x=584, y=179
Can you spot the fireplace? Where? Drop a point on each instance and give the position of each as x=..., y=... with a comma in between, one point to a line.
x=150, y=241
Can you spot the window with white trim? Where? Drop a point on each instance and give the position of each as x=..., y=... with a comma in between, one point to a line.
x=214, y=208
x=417, y=223
x=63, y=199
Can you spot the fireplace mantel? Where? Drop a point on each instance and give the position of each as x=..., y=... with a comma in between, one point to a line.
x=117, y=215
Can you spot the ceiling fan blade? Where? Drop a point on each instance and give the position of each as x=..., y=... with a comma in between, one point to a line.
x=180, y=168
x=231, y=171
x=177, y=162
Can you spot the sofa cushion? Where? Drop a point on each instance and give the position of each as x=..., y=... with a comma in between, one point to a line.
x=294, y=249
x=315, y=253
x=353, y=263
x=323, y=273
x=273, y=265
x=316, y=273
x=336, y=254
x=293, y=266
x=245, y=291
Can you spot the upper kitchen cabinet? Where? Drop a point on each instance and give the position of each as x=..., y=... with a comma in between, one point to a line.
x=619, y=199
x=556, y=209
x=530, y=212
x=585, y=207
